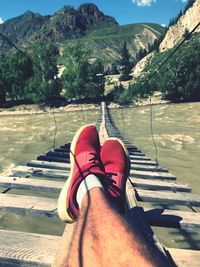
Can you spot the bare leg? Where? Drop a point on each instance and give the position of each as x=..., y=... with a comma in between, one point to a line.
x=103, y=238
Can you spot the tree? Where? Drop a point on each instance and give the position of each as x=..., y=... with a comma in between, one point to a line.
x=179, y=79
x=125, y=63
x=31, y=77
x=186, y=34
x=114, y=69
x=80, y=78
x=15, y=70
x=141, y=54
x=44, y=84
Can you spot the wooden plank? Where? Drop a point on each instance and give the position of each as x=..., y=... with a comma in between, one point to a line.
x=185, y=258
x=49, y=165
x=143, y=162
x=63, y=150
x=148, y=168
x=31, y=184
x=168, y=198
x=66, y=146
x=25, y=171
x=132, y=148
x=172, y=218
x=135, y=153
x=57, y=154
x=28, y=205
x=152, y=175
x=159, y=185
x=139, y=157
x=53, y=159
x=27, y=249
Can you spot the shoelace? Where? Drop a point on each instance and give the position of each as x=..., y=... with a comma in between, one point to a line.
x=111, y=183
x=94, y=159
x=108, y=178
x=95, y=163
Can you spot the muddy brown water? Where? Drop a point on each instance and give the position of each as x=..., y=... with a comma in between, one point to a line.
x=176, y=132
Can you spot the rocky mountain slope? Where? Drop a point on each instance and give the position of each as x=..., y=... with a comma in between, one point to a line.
x=65, y=24
x=20, y=28
x=95, y=30
x=174, y=35
x=187, y=22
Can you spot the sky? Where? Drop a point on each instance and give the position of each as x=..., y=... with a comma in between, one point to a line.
x=124, y=11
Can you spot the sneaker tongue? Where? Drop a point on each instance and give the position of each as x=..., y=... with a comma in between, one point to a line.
x=88, y=161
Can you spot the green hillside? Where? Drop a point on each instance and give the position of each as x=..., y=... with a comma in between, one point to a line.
x=124, y=31
x=178, y=80
x=106, y=42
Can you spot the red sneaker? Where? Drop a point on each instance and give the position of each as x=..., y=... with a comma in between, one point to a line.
x=84, y=160
x=115, y=159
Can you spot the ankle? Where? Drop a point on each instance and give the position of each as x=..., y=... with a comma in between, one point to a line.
x=89, y=183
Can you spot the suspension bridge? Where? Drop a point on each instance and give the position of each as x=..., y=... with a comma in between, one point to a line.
x=148, y=183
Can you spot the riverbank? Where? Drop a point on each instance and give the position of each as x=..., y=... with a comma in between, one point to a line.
x=156, y=99
x=37, y=109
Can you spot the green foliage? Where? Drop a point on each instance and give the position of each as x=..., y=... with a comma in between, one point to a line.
x=139, y=89
x=113, y=70
x=80, y=78
x=44, y=84
x=21, y=79
x=119, y=95
x=121, y=32
x=125, y=63
x=141, y=54
x=179, y=79
x=15, y=70
x=186, y=34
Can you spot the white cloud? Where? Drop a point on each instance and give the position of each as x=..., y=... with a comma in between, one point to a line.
x=1, y=20
x=144, y=2
x=164, y=25
x=184, y=1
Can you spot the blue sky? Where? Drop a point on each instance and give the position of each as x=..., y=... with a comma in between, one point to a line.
x=125, y=11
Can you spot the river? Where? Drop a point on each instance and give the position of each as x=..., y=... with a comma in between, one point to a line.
x=177, y=136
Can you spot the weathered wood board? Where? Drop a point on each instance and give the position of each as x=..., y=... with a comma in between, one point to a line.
x=27, y=249
x=151, y=175
x=169, y=198
x=31, y=184
x=159, y=185
x=172, y=218
x=28, y=205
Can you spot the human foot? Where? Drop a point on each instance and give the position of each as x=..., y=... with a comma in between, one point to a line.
x=84, y=160
x=115, y=159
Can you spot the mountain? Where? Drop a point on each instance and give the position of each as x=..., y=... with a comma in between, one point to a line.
x=175, y=33
x=87, y=24
x=186, y=23
x=20, y=28
x=65, y=24
x=106, y=43
x=178, y=79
